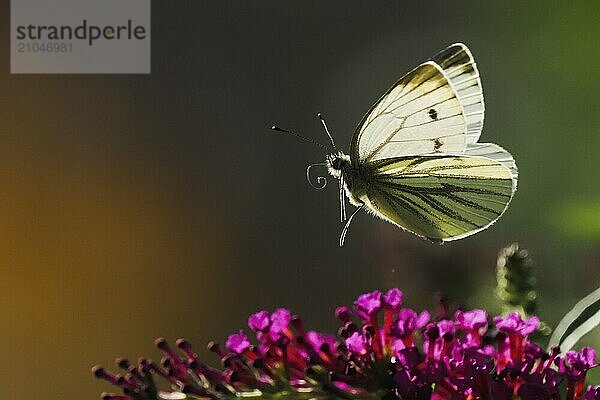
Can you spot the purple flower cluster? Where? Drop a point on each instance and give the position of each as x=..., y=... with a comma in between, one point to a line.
x=382, y=350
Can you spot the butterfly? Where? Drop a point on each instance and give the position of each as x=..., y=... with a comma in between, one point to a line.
x=415, y=160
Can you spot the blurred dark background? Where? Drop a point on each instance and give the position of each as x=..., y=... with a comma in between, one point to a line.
x=138, y=206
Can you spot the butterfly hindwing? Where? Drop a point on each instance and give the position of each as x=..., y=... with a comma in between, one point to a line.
x=441, y=198
x=497, y=153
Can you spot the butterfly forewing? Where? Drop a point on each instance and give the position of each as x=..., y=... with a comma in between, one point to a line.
x=441, y=198
x=420, y=114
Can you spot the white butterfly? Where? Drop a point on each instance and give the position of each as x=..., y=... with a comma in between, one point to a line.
x=415, y=161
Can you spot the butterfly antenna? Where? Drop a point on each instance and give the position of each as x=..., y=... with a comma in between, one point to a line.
x=347, y=226
x=327, y=131
x=278, y=129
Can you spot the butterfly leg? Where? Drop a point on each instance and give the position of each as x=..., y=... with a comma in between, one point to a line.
x=347, y=226
x=342, y=200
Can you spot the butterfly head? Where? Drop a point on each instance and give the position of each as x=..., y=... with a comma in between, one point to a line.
x=337, y=164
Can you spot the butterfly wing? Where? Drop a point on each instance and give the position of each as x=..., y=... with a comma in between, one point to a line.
x=461, y=71
x=497, y=153
x=437, y=107
x=439, y=197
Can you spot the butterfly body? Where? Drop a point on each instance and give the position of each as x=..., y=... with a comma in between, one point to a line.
x=354, y=179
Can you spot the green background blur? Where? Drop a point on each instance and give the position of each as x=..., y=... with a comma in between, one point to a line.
x=138, y=206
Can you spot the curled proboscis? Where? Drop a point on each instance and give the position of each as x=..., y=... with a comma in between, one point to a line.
x=320, y=181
